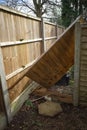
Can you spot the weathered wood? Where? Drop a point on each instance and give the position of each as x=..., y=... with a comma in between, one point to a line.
x=43, y=47
x=53, y=64
x=18, y=102
x=55, y=94
x=50, y=23
x=50, y=30
x=83, y=46
x=20, y=40
x=4, y=44
x=83, y=52
x=84, y=39
x=83, y=66
x=9, y=10
x=50, y=38
x=4, y=88
x=83, y=88
x=83, y=57
x=77, y=63
x=20, y=70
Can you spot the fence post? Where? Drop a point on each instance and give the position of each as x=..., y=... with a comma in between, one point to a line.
x=43, y=47
x=77, y=63
x=4, y=89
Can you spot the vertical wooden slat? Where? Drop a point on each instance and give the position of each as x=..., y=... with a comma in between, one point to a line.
x=77, y=63
x=43, y=48
x=4, y=88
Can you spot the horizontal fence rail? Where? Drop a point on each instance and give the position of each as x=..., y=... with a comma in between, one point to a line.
x=23, y=39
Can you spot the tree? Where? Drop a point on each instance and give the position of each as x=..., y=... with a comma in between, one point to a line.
x=46, y=8
x=55, y=15
x=10, y=3
x=38, y=7
x=71, y=9
x=41, y=7
x=66, y=12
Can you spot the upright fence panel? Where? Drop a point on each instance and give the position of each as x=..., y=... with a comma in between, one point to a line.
x=50, y=34
x=80, y=76
x=21, y=41
x=83, y=66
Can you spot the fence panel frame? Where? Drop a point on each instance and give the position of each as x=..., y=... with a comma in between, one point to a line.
x=77, y=64
x=9, y=111
x=4, y=89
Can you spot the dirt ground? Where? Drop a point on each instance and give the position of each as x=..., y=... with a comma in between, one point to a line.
x=72, y=118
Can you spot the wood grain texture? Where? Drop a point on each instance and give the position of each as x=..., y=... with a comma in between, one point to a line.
x=77, y=63
x=83, y=66
x=55, y=62
x=4, y=90
x=21, y=43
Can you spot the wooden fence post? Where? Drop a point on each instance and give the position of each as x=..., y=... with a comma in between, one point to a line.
x=4, y=89
x=43, y=35
x=77, y=63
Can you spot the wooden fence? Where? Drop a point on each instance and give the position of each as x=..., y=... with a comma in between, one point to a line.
x=80, y=72
x=83, y=66
x=22, y=40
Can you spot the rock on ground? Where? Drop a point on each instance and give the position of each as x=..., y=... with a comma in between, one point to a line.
x=49, y=108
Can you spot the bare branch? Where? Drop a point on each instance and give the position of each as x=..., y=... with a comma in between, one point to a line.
x=44, y=2
x=27, y=5
x=45, y=10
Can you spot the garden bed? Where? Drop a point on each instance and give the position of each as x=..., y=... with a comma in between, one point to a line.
x=28, y=118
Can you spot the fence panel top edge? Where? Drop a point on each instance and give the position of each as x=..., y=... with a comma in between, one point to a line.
x=47, y=22
x=13, y=11
x=54, y=24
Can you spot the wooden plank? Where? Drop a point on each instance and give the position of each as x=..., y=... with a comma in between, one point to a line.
x=84, y=62
x=84, y=32
x=18, y=102
x=49, y=43
x=62, y=97
x=50, y=23
x=4, y=44
x=83, y=94
x=4, y=88
x=83, y=46
x=84, y=52
x=83, y=103
x=44, y=74
x=84, y=39
x=12, y=11
x=50, y=38
x=50, y=30
x=83, y=89
x=77, y=63
x=20, y=70
x=43, y=46
x=83, y=68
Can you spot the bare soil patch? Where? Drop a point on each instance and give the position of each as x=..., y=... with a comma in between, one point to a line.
x=72, y=118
